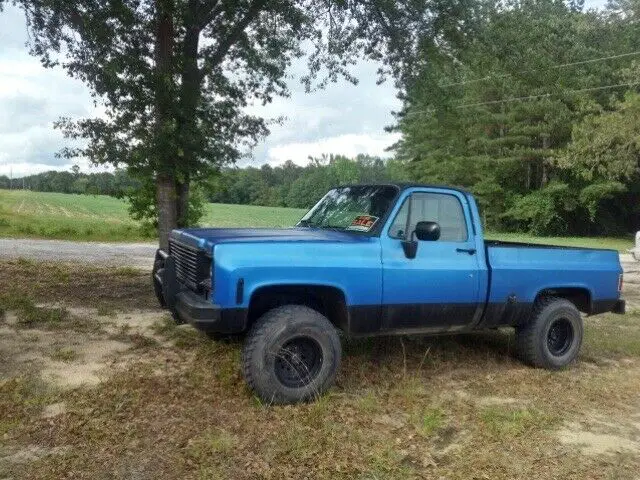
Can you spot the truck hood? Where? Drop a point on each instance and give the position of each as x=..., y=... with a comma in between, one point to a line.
x=206, y=238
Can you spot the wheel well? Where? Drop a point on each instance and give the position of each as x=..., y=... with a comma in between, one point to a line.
x=580, y=297
x=329, y=301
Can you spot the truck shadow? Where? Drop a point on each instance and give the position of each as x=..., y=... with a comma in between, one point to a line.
x=429, y=354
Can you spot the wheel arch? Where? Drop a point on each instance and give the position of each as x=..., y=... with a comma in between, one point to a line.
x=581, y=296
x=329, y=300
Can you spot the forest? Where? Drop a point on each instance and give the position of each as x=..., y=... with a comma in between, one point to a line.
x=538, y=115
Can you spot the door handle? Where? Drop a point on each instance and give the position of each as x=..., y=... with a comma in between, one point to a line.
x=470, y=251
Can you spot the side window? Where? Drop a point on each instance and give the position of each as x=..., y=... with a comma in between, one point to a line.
x=444, y=209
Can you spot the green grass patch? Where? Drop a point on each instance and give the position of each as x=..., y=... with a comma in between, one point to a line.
x=612, y=336
x=64, y=354
x=432, y=421
x=506, y=421
x=210, y=443
x=182, y=336
x=31, y=316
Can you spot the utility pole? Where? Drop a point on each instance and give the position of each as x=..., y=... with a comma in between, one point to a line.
x=10, y=178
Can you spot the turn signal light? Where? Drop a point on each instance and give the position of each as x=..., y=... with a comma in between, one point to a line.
x=620, y=283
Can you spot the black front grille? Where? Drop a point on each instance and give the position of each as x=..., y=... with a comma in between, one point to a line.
x=193, y=266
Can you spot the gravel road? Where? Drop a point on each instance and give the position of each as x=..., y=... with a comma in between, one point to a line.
x=140, y=255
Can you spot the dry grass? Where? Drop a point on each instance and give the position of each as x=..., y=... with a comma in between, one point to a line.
x=452, y=407
x=77, y=285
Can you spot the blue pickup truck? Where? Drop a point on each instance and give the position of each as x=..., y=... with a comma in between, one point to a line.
x=378, y=260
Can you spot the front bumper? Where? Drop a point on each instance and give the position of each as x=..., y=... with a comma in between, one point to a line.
x=189, y=307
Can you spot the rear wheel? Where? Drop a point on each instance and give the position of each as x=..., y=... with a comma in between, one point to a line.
x=553, y=336
x=291, y=355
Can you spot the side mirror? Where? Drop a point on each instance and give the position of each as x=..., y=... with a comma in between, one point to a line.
x=427, y=231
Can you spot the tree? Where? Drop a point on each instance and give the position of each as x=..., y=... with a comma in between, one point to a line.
x=497, y=115
x=175, y=75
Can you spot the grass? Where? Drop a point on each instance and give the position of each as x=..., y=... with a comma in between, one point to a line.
x=200, y=421
x=78, y=284
x=449, y=407
x=509, y=422
x=25, y=214
x=64, y=354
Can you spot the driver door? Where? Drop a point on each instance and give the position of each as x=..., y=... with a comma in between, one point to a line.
x=439, y=288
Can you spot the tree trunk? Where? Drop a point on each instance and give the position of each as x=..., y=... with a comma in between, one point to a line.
x=546, y=140
x=187, y=130
x=165, y=173
x=167, y=208
x=182, y=202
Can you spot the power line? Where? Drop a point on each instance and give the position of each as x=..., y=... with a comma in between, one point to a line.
x=531, y=97
x=554, y=67
x=580, y=90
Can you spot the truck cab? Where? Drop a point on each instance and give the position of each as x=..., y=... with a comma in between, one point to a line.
x=382, y=259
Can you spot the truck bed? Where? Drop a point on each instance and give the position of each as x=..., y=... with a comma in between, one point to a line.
x=519, y=272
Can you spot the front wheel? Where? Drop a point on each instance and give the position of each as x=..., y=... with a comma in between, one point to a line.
x=553, y=336
x=291, y=355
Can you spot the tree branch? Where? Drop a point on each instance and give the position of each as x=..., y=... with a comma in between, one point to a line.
x=207, y=12
x=236, y=32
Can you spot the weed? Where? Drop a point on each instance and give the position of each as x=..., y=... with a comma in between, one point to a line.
x=64, y=354
x=26, y=262
x=505, y=421
x=138, y=340
x=432, y=420
x=182, y=336
x=127, y=272
x=164, y=327
x=22, y=398
x=31, y=316
x=105, y=310
x=211, y=443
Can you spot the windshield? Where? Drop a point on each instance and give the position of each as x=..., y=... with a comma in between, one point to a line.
x=357, y=209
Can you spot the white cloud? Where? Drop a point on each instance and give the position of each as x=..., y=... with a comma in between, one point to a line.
x=349, y=144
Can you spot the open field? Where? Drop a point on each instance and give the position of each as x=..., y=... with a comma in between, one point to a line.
x=96, y=382
x=25, y=214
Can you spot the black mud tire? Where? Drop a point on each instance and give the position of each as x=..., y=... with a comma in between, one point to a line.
x=553, y=336
x=283, y=343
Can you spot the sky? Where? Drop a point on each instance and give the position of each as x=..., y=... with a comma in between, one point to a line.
x=342, y=118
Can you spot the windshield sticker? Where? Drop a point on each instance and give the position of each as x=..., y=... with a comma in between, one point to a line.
x=363, y=223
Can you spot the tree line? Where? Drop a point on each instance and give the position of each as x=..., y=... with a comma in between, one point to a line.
x=116, y=184
x=286, y=185
x=538, y=115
